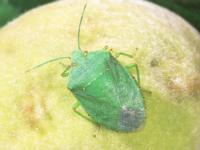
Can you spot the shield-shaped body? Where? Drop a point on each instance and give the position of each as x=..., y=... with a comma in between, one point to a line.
x=106, y=90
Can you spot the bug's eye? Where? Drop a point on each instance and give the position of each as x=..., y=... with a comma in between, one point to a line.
x=85, y=53
x=106, y=47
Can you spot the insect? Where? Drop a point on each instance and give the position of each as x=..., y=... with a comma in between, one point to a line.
x=104, y=88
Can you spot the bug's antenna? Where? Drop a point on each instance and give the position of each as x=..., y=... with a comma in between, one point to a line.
x=46, y=62
x=79, y=27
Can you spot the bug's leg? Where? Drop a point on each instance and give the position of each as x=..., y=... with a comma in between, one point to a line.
x=117, y=54
x=75, y=107
x=146, y=91
x=123, y=54
x=66, y=71
x=130, y=66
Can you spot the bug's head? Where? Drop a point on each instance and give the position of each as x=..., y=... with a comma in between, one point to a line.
x=78, y=56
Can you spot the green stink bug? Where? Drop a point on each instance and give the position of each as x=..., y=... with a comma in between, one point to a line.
x=104, y=88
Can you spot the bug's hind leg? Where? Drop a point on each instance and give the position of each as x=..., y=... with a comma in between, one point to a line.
x=75, y=107
x=131, y=66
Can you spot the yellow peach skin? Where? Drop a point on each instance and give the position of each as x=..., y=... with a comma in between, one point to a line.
x=36, y=107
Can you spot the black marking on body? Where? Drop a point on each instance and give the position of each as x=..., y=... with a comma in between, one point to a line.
x=129, y=119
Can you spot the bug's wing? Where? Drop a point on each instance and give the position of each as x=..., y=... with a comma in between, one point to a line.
x=129, y=97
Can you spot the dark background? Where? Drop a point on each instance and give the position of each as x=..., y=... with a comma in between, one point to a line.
x=188, y=9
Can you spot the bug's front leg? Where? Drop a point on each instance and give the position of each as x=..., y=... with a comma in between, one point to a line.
x=118, y=54
x=66, y=71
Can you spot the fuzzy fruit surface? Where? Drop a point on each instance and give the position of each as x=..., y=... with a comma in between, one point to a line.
x=36, y=109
